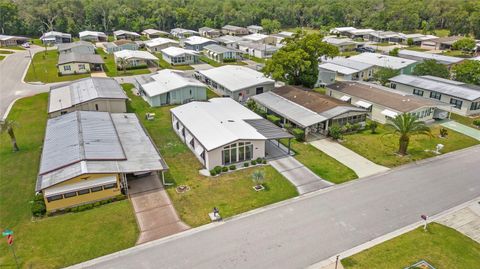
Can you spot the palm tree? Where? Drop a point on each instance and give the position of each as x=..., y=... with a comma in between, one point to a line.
x=122, y=62
x=7, y=126
x=406, y=125
x=258, y=177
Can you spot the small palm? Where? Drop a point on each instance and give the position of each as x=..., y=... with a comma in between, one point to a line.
x=406, y=125
x=258, y=177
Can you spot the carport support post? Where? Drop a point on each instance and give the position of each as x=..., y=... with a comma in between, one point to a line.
x=289, y=140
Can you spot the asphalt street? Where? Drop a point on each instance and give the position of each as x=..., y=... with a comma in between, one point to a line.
x=307, y=230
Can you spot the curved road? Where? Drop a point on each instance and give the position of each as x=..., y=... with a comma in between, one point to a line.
x=307, y=230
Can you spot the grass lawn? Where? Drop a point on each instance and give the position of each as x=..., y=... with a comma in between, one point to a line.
x=211, y=94
x=383, y=44
x=457, y=53
x=232, y=193
x=464, y=120
x=44, y=69
x=6, y=52
x=320, y=163
x=381, y=147
x=217, y=64
x=52, y=242
x=164, y=65
x=111, y=68
x=440, y=246
x=309, y=30
x=415, y=48
x=2, y=57
x=255, y=59
x=349, y=53
x=13, y=48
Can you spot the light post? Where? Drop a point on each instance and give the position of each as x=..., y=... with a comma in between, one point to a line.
x=336, y=261
x=32, y=63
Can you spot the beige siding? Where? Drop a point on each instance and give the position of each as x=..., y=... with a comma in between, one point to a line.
x=75, y=68
x=104, y=105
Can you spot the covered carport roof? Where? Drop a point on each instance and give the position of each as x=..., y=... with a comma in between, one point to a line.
x=268, y=129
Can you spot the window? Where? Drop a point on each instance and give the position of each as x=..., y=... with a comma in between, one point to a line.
x=67, y=68
x=54, y=198
x=202, y=155
x=393, y=85
x=63, y=112
x=237, y=152
x=70, y=194
x=183, y=132
x=475, y=106
x=436, y=95
x=456, y=103
x=418, y=92
x=82, y=192
x=81, y=67
x=96, y=107
x=95, y=189
x=192, y=143
x=109, y=186
x=177, y=125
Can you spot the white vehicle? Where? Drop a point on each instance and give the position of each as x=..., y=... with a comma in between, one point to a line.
x=26, y=45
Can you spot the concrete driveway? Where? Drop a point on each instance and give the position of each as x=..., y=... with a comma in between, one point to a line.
x=156, y=216
x=463, y=129
x=360, y=165
x=300, y=176
x=465, y=220
x=201, y=66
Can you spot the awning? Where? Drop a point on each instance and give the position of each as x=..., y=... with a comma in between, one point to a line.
x=363, y=104
x=86, y=184
x=389, y=113
x=268, y=129
x=345, y=98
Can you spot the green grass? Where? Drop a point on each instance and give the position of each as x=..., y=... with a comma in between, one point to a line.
x=2, y=57
x=456, y=53
x=320, y=163
x=59, y=241
x=320, y=90
x=217, y=64
x=464, y=120
x=14, y=47
x=164, y=65
x=349, y=53
x=255, y=59
x=441, y=246
x=232, y=193
x=110, y=67
x=44, y=68
x=415, y=48
x=211, y=94
x=383, y=44
x=6, y=52
x=309, y=30
x=381, y=147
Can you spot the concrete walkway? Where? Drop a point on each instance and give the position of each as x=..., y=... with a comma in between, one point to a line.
x=465, y=220
x=300, y=176
x=463, y=129
x=156, y=216
x=360, y=165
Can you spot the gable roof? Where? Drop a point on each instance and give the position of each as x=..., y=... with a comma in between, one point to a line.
x=255, y=37
x=227, y=39
x=167, y=80
x=159, y=41
x=348, y=63
x=420, y=56
x=92, y=33
x=83, y=90
x=234, y=77
x=54, y=34
x=176, y=51
x=139, y=54
x=217, y=48
x=8, y=37
x=382, y=60
x=232, y=27
x=197, y=40
x=74, y=57
x=84, y=142
x=67, y=46
x=452, y=88
x=154, y=31
x=124, y=32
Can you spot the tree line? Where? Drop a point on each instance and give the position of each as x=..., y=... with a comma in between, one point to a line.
x=32, y=17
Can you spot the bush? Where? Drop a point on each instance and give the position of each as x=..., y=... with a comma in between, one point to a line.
x=253, y=162
x=246, y=165
x=443, y=132
x=232, y=167
x=476, y=123
x=287, y=126
x=259, y=160
x=373, y=126
x=335, y=132
x=274, y=119
x=213, y=172
x=218, y=169
x=299, y=134
x=264, y=161
x=38, y=209
x=225, y=169
x=229, y=60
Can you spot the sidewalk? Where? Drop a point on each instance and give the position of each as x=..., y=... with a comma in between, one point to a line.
x=463, y=129
x=465, y=220
x=360, y=165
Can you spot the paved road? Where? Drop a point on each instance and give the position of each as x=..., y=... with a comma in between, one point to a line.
x=310, y=229
x=12, y=69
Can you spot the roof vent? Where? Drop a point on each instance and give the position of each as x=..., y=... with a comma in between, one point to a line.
x=231, y=121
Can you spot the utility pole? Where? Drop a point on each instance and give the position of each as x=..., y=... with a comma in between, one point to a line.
x=32, y=63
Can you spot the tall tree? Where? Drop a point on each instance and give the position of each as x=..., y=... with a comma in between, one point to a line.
x=431, y=68
x=464, y=44
x=468, y=71
x=270, y=26
x=8, y=16
x=383, y=74
x=7, y=126
x=405, y=126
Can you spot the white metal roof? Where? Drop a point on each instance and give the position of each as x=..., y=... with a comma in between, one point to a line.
x=124, y=32
x=217, y=122
x=153, y=31
x=338, y=68
x=363, y=104
x=300, y=115
x=227, y=39
x=85, y=142
x=339, y=41
x=84, y=90
x=342, y=29
x=53, y=34
x=389, y=113
x=82, y=185
x=7, y=37
x=382, y=60
x=345, y=98
x=218, y=49
x=418, y=55
x=197, y=40
x=347, y=62
x=139, y=54
x=235, y=77
x=176, y=51
x=159, y=41
x=255, y=37
x=167, y=80
x=92, y=33
x=459, y=91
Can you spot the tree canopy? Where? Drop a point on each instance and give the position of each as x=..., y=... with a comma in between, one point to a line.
x=32, y=17
x=432, y=68
x=465, y=44
x=468, y=71
x=297, y=61
x=383, y=74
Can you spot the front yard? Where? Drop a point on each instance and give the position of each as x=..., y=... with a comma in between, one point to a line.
x=164, y=65
x=232, y=193
x=51, y=242
x=110, y=67
x=381, y=147
x=468, y=121
x=217, y=64
x=440, y=246
x=44, y=69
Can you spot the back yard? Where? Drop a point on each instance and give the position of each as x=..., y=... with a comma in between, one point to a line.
x=51, y=242
x=232, y=193
x=440, y=246
x=110, y=67
x=381, y=147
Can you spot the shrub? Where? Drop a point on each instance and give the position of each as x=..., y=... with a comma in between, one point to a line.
x=356, y=127
x=225, y=169
x=299, y=134
x=261, y=113
x=335, y=132
x=264, y=161
x=274, y=119
x=38, y=198
x=246, y=165
x=74, y=209
x=213, y=172
x=373, y=126
x=97, y=204
x=38, y=209
x=259, y=160
x=232, y=167
x=287, y=126
x=253, y=162
x=348, y=127
x=443, y=132
x=218, y=169
x=251, y=105
x=476, y=123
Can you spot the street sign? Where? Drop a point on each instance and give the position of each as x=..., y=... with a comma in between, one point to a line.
x=10, y=239
x=7, y=232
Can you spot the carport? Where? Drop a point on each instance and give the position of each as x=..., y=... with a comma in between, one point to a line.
x=271, y=131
